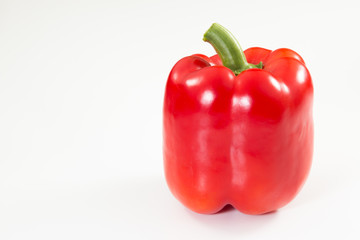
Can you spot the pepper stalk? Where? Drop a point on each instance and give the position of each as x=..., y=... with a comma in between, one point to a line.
x=228, y=49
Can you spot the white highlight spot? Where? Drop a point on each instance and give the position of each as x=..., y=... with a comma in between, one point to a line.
x=275, y=83
x=285, y=88
x=207, y=97
x=192, y=82
x=241, y=101
x=301, y=75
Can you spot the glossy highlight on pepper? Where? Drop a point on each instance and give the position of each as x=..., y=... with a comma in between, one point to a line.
x=238, y=133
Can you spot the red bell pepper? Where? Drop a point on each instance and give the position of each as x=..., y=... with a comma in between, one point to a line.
x=237, y=127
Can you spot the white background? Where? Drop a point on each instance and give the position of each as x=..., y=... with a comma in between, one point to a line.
x=81, y=91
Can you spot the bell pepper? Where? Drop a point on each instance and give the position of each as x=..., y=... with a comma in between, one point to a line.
x=237, y=127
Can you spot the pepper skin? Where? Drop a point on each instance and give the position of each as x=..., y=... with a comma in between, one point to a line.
x=244, y=140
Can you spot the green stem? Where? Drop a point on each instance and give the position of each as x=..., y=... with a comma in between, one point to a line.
x=228, y=48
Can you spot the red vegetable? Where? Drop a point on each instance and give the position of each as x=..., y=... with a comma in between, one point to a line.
x=238, y=128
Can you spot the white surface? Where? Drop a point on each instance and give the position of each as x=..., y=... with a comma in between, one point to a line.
x=81, y=88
